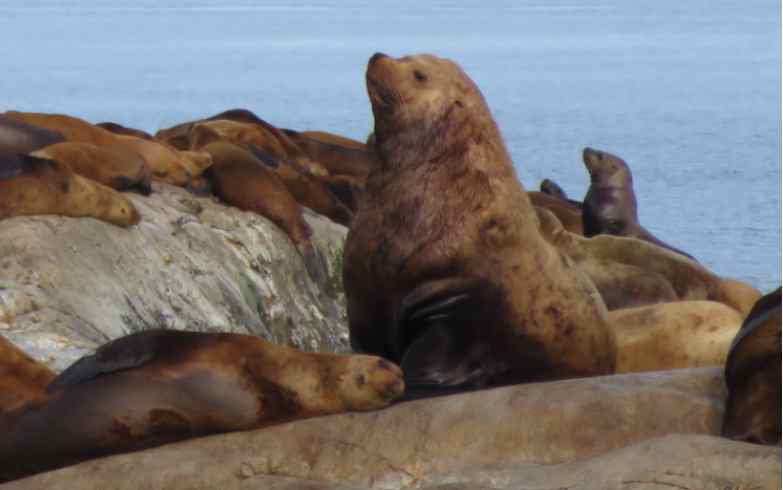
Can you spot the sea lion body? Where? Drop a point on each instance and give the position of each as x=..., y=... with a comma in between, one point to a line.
x=335, y=139
x=569, y=215
x=120, y=170
x=160, y=386
x=124, y=130
x=72, y=128
x=610, y=204
x=445, y=270
x=753, y=408
x=681, y=334
x=23, y=380
x=17, y=136
x=34, y=185
x=337, y=159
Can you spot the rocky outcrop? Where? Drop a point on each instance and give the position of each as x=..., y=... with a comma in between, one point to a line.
x=558, y=433
x=68, y=285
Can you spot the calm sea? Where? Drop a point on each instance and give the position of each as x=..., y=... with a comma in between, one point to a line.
x=688, y=93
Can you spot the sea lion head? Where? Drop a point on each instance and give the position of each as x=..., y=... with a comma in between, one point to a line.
x=551, y=187
x=606, y=169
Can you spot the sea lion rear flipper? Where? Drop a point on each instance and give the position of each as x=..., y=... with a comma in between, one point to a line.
x=124, y=353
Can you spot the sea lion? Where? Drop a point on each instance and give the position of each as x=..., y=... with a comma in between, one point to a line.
x=445, y=270
x=20, y=137
x=753, y=376
x=159, y=386
x=620, y=285
x=335, y=158
x=569, y=215
x=31, y=185
x=120, y=129
x=167, y=164
x=552, y=188
x=23, y=380
x=120, y=170
x=72, y=128
x=682, y=334
x=609, y=207
x=241, y=180
x=334, y=139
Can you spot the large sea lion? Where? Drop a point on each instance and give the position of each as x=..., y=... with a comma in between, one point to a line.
x=445, y=270
x=23, y=380
x=753, y=377
x=20, y=137
x=120, y=170
x=31, y=185
x=160, y=386
x=609, y=207
x=681, y=334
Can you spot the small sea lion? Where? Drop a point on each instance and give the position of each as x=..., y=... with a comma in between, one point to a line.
x=681, y=334
x=23, y=380
x=31, y=185
x=120, y=129
x=753, y=408
x=20, y=137
x=445, y=270
x=335, y=139
x=120, y=170
x=552, y=188
x=159, y=386
x=610, y=204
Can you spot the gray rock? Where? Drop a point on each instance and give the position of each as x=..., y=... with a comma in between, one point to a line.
x=68, y=285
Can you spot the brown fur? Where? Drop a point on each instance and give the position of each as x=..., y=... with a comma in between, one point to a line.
x=166, y=163
x=43, y=186
x=120, y=170
x=335, y=139
x=753, y=408
x=120, y=129
x=445, y=270
x=682, y=334
x=338, y=160
x=569, y=215
x=17, y=136
x=155, y=387
x=72, y=128
x=23, y=380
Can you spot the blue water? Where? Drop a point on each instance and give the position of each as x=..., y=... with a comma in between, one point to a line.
x=688, y=93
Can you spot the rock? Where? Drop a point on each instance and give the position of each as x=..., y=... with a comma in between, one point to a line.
x=68, y=285
x=450, y=439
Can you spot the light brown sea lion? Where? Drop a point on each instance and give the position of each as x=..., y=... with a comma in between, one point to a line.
x=20, y=137
x=569, y=215
x=610, y=204
x=445, y=270
x=241, y=180
x=72, y=128
x=160, y=386
x=120, y=129
x=165, y=163
x=681, y=334
x=335, y=139
x=120, y=170
x=31, y=185
x=23, y=380
x=620, y=285
x=753, y=409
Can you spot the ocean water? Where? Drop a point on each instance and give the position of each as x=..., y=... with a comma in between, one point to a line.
x=688, y=93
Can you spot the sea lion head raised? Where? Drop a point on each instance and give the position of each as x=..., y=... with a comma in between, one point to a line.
x=610, y=204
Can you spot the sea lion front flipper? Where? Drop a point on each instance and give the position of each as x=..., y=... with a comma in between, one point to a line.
x=124, y=353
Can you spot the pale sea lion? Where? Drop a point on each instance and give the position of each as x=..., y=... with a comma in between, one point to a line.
x=445, y=270
x=160, y=386
x=31, y=185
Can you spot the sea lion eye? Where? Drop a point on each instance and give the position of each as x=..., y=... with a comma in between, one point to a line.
x=419, y=76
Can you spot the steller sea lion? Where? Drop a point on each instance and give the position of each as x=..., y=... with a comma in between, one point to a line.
x=338, y=160
x=155, y=387
x=120, y=170
x=120, y=129
x=334, y=139
x=753, y=408
x=681, y=334
x=23, y=380
x=548, y=186
x=20, y=137
x=610, y=204
x=31, y=185
x=570, y=216
x=445, y=270
x=72, y=128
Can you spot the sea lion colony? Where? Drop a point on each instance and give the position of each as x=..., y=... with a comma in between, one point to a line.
x=451, y=268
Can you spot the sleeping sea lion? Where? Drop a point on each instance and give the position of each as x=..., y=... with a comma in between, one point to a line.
x=20, y=137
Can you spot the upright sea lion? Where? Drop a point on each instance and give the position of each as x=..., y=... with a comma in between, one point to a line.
x=681, y=334
x=610, y=204
x=20, y=137
x=120, y=170
x=753, y=376
x=445, y=270
x=120, y=129
x=160, y=386
x=31, y=185
x=23, y=380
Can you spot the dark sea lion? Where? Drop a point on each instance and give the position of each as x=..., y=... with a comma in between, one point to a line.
x=570, y=216
x=20, y=137
x=753, y=408
x=335, y=139
x=120, y=170
x=445, y=270
x=552, y=188
x=241, y=180
x=31, y=185
x=610, y=204
x=160, y=386
x=120, y=129
x=23, y=380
